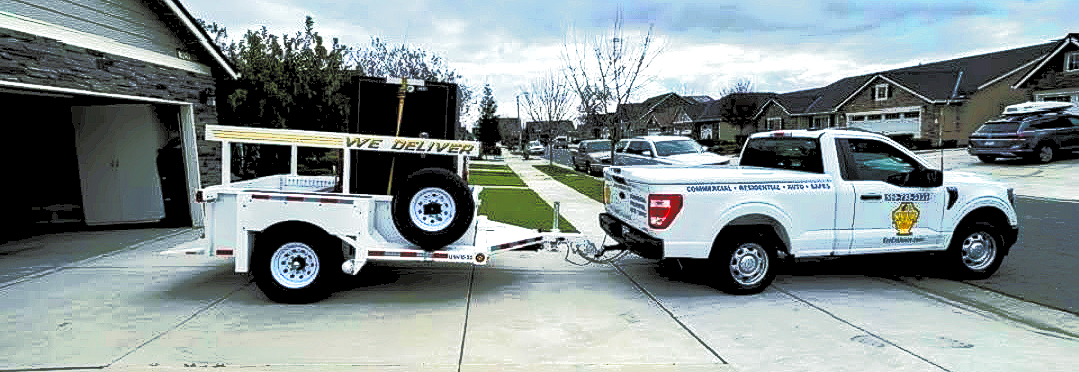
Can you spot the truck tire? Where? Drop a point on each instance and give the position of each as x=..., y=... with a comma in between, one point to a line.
x=297, y=269
x=745, y=265
x=433, y=208
x=976, y=251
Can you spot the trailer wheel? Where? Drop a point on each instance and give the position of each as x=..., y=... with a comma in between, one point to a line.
x=433, y=209
x=295, y=270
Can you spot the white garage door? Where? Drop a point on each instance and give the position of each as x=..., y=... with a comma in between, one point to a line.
x=889, y=123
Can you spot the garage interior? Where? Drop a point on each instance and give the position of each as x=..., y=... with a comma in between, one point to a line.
x=90, y=163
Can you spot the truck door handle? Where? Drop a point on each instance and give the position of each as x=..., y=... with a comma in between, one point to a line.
x=871, y=197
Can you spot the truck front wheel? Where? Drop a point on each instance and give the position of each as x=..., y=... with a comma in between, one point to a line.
x=433, y=209
x=747, y=266
x=296, y=270
x=975, y=251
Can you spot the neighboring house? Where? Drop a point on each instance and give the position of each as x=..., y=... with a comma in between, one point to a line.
x=936, y=102
x=590, y=127
x=549, y=129
x=118, y=93
x=1055, y=77
x=640, y=117
x=509, y=129
x=730, y=117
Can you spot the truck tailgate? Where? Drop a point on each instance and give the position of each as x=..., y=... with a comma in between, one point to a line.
x=627, y=200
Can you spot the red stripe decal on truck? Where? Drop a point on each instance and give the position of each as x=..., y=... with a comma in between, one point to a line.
x=301, y=199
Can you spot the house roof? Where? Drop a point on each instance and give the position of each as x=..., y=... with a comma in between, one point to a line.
x=931, y=81
x=204, y=38
x=701, y=99
x=714, y=111
x=1072, y=39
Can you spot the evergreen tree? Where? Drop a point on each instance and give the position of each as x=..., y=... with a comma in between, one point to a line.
x=487, y=126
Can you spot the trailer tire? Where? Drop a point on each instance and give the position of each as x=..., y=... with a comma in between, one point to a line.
x=433, y=208
x=296, y=269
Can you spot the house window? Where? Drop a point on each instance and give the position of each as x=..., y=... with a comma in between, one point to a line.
x=872, y=117
x=773, y=123
x=891, y=116
x=857, y=118
x=881, y=92
x=910, y=115
x=1071, y=61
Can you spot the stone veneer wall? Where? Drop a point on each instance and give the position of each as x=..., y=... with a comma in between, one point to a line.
x=32, y=59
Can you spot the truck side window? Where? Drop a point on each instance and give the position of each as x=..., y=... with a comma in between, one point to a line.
x=637, y=147
x=800, y=154
x=872, y=160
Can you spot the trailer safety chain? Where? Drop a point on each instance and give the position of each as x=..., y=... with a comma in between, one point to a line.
x=593, y=254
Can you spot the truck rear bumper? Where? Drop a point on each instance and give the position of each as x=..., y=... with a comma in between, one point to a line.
x=635, y=240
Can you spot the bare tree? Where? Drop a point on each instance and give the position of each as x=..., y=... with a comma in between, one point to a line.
x=743, y=85
x=739, y=108
x=607, y=70
x=548, y=100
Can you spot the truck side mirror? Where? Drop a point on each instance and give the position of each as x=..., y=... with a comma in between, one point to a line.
x=925, y=177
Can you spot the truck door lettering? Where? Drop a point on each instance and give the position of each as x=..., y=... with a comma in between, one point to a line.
x=412, y=145
x=375, y=144
x=467, y=149
x=454, y=148
x=441, y=146
x=398, y=144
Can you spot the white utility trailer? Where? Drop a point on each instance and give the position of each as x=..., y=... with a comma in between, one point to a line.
x=296, y=235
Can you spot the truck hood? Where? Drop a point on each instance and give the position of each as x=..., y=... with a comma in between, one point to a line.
x=706, y=174
x=956, y=178
x=699, y=158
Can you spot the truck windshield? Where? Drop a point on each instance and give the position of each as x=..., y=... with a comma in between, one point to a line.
x=668, y=148
x=800, y=154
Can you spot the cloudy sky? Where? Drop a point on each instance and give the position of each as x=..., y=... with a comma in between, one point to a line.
x=706, y=45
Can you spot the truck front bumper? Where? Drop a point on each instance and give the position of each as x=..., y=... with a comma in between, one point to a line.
x=635, y=240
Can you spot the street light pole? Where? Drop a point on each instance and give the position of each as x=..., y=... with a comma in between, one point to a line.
x=521, y=123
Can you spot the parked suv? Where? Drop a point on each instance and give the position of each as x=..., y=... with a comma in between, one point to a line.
x=1036, y=136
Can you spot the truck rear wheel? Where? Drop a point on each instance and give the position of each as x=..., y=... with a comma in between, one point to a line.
x=295, y=270
x=976, y=251
x=433, y=209
x=745, y=265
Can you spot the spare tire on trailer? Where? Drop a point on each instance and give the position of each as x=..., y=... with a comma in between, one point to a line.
x=433, y=208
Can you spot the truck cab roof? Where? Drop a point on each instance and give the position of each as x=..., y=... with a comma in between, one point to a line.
x=817, y=133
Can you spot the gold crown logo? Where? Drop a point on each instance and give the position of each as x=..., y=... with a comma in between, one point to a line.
x=904, y=217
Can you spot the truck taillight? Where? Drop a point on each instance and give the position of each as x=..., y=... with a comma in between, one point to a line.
x=662, y=209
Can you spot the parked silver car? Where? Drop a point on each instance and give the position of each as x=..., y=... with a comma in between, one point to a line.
x=591, y=156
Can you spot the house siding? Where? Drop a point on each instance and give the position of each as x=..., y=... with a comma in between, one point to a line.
x=864, y=100
x=31, y=59
x=132, y=22
x=1052, y=75
x=984, y=105
x=773, y=110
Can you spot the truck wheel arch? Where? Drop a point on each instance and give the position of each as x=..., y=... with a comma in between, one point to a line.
x=759, y=223
x=992, y=215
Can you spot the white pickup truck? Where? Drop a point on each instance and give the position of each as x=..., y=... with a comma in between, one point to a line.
x=799, y=194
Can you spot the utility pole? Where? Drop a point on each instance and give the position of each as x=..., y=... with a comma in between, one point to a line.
x=521, y=123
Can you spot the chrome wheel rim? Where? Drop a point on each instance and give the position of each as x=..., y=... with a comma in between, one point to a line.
x=749, y=264
x=432, y=209
x=294, y=265
x=979, y=250
x=1046, y=154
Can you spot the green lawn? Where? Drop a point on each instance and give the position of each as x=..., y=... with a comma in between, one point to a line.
x=502, y=176
x=591, y=187
x=520, y=207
